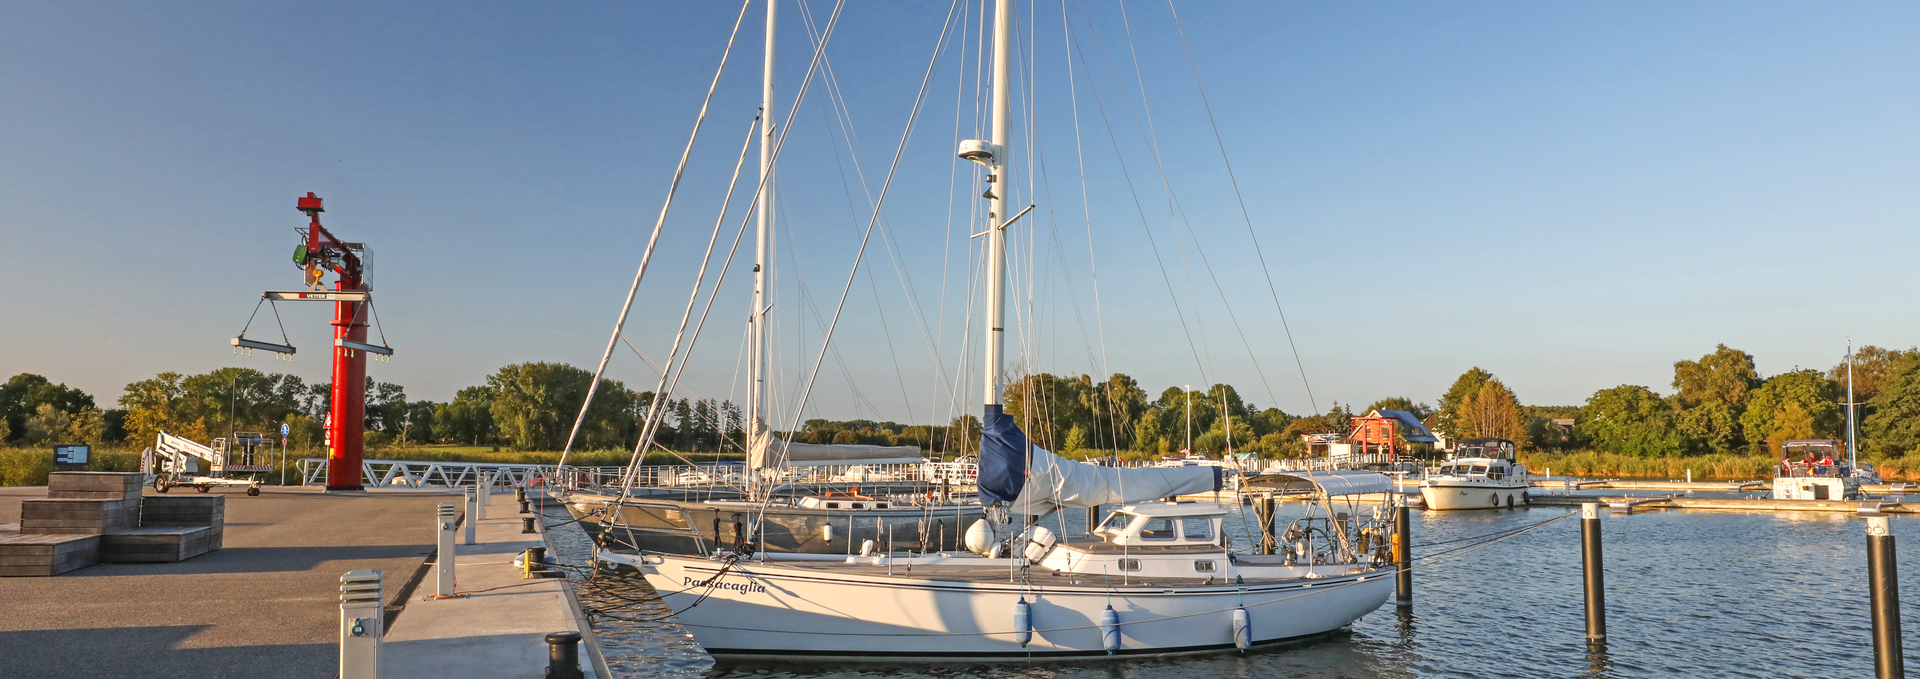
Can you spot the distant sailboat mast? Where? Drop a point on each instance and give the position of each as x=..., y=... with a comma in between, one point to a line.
x=758, y=435
x=1852, y=457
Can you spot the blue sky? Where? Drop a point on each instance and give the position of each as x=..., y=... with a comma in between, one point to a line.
x=1573, y=196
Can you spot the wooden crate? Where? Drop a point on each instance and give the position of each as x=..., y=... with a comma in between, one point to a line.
x=36, y=554
x=77, y=516
x=95, y=485
x=184, y=511
x=156, y=545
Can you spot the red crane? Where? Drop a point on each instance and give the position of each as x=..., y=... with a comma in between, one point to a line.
x=320, y=253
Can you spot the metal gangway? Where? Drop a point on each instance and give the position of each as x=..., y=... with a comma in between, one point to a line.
x=424, y=474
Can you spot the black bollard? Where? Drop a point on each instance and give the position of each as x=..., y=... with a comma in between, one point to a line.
x=563, y=656
x=528, y=527
x=520, y=494
x=1883, y=583
x=523, y=506
x=1403, y=555
x=1093, y=518
x=1268, y=544
x=1592, y=566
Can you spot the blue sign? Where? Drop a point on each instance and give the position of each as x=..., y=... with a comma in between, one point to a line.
x=72, y=454
x=284, y=429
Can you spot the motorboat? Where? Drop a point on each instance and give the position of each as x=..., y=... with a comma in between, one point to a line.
x=1819, y=474
x=1480, y=474
x=1154, y=578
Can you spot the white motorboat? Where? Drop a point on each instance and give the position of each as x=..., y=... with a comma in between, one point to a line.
x=1481, y=474
x=1818, y=475
x=1154, y=579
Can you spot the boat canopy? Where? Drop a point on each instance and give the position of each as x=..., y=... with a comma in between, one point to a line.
x=1331, y=483
x=767, y=450
x=1416, y=431
x=1023, y=475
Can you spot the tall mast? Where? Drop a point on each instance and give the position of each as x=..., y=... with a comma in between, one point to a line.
x=997, y=201
x=757, y=319
x=1851, y=457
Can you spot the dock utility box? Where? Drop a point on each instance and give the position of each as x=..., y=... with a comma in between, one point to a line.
x=28, y=554
x=95, y=485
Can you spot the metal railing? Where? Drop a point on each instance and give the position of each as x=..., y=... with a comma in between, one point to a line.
x=419, y=474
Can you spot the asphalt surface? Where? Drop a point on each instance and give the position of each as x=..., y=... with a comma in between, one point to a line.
x=265, y=605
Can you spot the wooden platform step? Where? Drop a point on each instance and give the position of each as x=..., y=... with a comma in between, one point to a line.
x=95, y=485
x=192, y=510
x=156, y=545
x=77, y=516
x=37, y=554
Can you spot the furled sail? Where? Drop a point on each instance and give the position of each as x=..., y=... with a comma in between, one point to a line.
x=1022, y=475
x=766, y=450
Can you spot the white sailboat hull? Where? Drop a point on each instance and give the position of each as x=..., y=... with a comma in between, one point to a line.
x=766, y=611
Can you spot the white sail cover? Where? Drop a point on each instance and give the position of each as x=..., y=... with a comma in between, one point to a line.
x=764, y=450
x=1053, y=480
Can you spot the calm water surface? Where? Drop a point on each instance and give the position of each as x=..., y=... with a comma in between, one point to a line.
x=1689, y=593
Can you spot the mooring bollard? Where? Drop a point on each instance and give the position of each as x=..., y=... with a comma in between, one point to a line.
x=527, y=526
x=443, y=559
x=472, y=503
x=1268, y=543
x=519, y=493
x=563, y=656
x=1402, y=555
x=523, y=507
x=361, y=626
x=1592, y=566
x=1883, y=583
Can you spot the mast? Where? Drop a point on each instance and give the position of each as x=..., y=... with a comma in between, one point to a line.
x=1851, y=458
x=997, y=202
x=756, y=319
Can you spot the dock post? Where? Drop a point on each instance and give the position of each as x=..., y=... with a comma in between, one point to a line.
x=1593, y=567
x=563, y=656
x=1883, y=583
x=473, y=516
x=1402, y=555
x=361, y=624
x=486, y=493
x=443, y=558
x=1093, y=518
x=1267, y=542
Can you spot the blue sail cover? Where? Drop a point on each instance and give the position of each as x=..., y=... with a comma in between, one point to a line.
x=1003, y=457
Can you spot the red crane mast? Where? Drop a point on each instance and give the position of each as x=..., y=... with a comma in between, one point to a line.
x=347, y=413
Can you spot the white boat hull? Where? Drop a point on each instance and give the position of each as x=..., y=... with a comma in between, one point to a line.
x=769, y=611
x=1474, y=494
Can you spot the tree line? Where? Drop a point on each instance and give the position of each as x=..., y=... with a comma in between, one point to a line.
x=1719, y=404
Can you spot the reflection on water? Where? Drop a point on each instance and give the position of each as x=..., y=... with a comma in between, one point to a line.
x=1689, y=593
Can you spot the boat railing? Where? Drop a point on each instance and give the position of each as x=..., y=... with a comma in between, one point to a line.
x=427, y=473
x=1801, y=470
x=1343, y=461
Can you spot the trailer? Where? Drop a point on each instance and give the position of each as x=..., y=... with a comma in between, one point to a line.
x=174, y=461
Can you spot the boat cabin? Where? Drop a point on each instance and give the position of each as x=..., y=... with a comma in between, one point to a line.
x=843, y=501
x=1163, y=524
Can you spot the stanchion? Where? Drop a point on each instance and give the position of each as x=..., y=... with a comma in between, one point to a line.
x=486, y=494
x=472, y=516
x=443, y=558
x=1402, y=555
x=1593, y=568
x=1883, y=582
x=361, y=625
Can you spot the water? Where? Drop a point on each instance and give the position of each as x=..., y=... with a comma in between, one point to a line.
x=1689, y=593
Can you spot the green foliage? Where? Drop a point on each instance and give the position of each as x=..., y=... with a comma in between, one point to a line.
x=1894, y=429
x=467, y=419
x=22, y=396
x=535, y=404
x=1712, y=394
x=1448, y=419
x=1632, y=421
x=1492, y=412
x=1792, y=405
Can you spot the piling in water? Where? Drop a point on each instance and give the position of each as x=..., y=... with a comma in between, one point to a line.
x=1883, y=581
x=1402, y=555
x=1593, y=567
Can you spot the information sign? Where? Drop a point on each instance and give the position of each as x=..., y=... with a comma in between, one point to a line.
x=284, y=430
x=72, y=454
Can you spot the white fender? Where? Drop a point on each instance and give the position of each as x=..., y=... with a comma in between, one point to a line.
x=1110, y=630
x=826, y=533
x=981, y=537
x=1022, y=622
x=1242, y=629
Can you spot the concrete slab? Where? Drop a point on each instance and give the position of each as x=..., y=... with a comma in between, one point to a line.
x=498, y=628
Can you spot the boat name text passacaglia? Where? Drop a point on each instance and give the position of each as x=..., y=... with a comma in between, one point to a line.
x=747, y=587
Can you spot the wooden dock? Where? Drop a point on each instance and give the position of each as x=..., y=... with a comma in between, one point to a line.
x=1730, y=504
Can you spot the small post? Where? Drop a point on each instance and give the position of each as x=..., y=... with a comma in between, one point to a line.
x=527, y=525
x=1267, y=542
x=1883, y=584
x=1593, y=567
x=519, y=493
x=361, y=624
x=1689, y=475
x=563, y=656
x=1093, y=518
x=486, y=493
x=1402, y=555
x=523, y=507
x=443, y=558
x=472, y=517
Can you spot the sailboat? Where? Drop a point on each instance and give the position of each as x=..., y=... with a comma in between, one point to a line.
x=1155, y=577
x=776, y=512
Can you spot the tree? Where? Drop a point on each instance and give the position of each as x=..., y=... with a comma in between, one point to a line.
x=1871, y=364
x=535, y=406
x=1448, y=419
x=1796, y=404
x=1631, y=420
x=1894, y=429
x=468, y=418
x=1492, y=412
x=23, y=394
x=1712, y=394
x=48, y=424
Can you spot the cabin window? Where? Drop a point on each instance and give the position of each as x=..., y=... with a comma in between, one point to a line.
x=880, y=505
x=1129, y=564
x=833, y=505
x=1479, y=469
x=1203, y=566
x=1114, y=523
x=1157, y=529
x=1198, y=528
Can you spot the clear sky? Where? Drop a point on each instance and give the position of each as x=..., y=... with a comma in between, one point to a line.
x=1571, y=195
